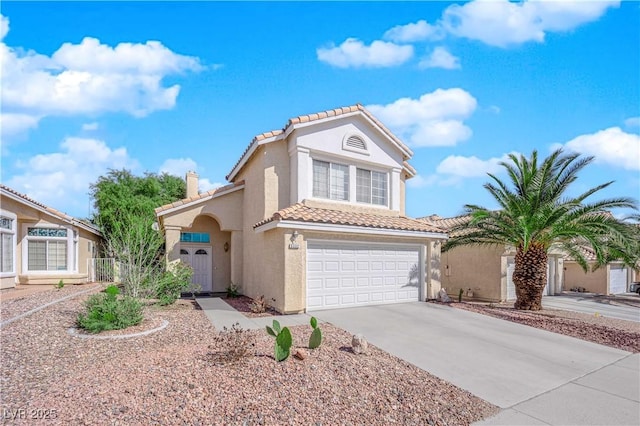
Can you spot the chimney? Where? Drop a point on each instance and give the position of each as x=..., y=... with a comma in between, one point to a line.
x=192, y=184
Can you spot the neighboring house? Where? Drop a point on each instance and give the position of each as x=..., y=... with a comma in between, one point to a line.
x=487, y=271
x=613, y=278
x=41, y=245
x=314, y=218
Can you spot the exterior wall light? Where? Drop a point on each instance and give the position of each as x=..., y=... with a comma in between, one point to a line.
x=226, y=247
x=294, y=245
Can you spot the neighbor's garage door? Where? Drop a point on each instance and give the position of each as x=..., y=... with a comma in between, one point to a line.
x=617, y=279
x=351, y=274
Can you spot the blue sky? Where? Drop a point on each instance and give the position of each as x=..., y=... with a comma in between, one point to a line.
x=173, y=86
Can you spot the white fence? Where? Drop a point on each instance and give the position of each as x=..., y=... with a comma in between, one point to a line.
x=107, y=270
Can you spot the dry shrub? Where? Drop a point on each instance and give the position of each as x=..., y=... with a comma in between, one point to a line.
x=232, y=345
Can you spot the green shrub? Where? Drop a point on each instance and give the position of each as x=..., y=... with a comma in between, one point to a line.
x=60, y=285
x=232, y=291
x=107, y=311
x=172, y=283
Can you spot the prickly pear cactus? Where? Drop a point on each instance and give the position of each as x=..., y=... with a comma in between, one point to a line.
x=316, y=335
x=284, y=341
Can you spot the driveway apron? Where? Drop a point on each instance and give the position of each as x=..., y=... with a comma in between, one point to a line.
x=502, y=362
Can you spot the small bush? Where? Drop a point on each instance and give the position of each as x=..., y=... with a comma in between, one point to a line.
x=60, y=285
x=232, y=291
x=259, y=305
x=107, y=311
x=236, y=343
x=172, y=283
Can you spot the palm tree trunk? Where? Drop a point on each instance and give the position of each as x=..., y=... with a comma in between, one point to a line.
x=530, y=277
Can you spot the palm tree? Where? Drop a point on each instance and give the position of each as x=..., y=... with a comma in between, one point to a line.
x=536, y=212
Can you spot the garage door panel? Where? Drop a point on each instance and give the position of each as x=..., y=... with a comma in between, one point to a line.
x=351, y=274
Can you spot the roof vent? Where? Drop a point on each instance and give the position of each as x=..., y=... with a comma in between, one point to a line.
x=355, y=143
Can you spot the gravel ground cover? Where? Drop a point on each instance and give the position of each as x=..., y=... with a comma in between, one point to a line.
x=243, y=304
x=612, y=332
x=171, y=377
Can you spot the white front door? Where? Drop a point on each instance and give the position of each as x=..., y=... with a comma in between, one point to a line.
x=351, y=274
x=200, y=259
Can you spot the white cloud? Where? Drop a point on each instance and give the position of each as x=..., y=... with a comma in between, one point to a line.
x=61, y=179
x=440, y=58
x=434, y=119
x=204, y=185
x=632, y=122
x=4, y=26
x=611, y=146
x=419, y=181
x=470, y=167
x=13, y=124
x=90, y=126
x=180, y=166
x=412, y=32
x=90, y=78
x=502, y=23
x=354, y=53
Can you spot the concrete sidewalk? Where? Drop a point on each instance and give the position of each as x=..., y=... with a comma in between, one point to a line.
x=537, y=377
x=592, y=305
x=221, y=314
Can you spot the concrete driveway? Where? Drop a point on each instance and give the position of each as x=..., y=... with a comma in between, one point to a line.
x=590, y=304
x=538, y=377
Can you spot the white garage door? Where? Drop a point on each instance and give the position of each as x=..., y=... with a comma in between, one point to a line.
x=352, y=274
x=617, y=279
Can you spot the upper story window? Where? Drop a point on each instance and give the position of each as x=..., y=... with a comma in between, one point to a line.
x=330, y=180
x=371, y=187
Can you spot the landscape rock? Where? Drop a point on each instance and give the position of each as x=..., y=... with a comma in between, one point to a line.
x=359, y=344
x=443, y=296
x=301, y=354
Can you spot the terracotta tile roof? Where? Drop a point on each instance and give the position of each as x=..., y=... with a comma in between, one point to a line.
x=189, y=200
x=301, y=213
x=446, y=222
x=319, y=116
x=60, y=215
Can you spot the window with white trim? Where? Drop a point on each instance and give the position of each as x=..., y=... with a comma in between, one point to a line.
x=47, y=249
x=371, y=187
x=7, y=245
x=330, y=180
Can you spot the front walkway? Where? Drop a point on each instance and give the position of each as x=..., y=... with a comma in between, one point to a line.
x=221, y=314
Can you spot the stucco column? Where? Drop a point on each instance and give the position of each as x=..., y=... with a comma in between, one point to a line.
x=172, y=244
x=432, y=266
x=395, y=190
x=300, y=167
x=236, y=257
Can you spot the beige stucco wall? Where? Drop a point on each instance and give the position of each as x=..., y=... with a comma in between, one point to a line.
x=29, y=216
x=477, y=268
x=266, y=177
x=348, y=207
x=592, y=281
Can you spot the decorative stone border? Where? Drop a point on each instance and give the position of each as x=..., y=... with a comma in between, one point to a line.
x=74, y=332
x=32, y=311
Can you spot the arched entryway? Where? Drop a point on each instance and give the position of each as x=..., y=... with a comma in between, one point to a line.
x=206, y=248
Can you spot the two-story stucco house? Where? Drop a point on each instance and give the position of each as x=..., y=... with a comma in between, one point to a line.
x=314, y=218
x=41, y=245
